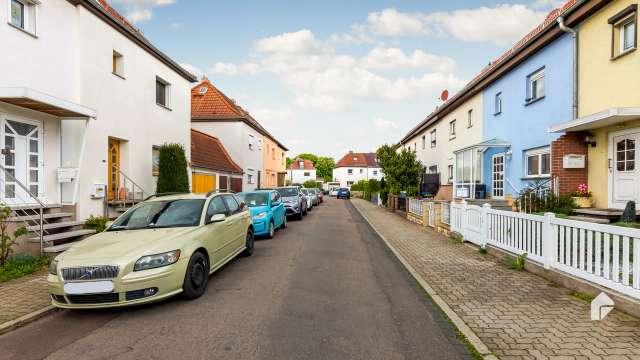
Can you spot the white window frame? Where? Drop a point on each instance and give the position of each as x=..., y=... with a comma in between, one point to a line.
x=433, y=138
x=119, y=64
x=349, y=171
x=452, y=129
x=450, y=173
x=251, y=142
x=537, y=152
x=167, y=93
x=424, y=142
x=629, y=21
x=498, y=103
x=536, y=77
x=29, y=16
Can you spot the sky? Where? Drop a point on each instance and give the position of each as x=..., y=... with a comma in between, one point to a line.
x=326, y=77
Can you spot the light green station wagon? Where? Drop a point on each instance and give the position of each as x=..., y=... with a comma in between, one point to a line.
x=164, y=246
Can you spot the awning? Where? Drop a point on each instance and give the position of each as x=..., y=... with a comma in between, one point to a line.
x=493, y=143
x=35, y=100
x=608, y=117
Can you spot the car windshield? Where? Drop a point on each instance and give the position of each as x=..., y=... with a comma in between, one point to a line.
x=288, y=192
x=255, y=199
x=304, y=191
x=161, y=214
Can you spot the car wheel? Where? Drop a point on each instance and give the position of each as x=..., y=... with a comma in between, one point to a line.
x=196, y=277
x=305, y=212
x=299, y=215
x=249, y=243
x=272, y=231
x=284, y=223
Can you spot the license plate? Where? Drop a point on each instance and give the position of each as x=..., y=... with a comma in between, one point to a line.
x=89, y=287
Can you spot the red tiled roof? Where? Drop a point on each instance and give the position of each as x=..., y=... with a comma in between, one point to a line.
x=113, y=12
x=307, y=165
x=549, y=21
x=358, y=160
x=213, y=104
x=208, y=152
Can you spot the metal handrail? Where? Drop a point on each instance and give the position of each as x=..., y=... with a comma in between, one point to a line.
x=41, y=205
x=134, y=188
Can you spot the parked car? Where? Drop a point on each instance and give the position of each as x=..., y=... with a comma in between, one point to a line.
x=295, y=204
x=315, y=200
x=309, y=197
x=343, y=193
x=267, y=211
x=161, y=247
x=334, y=192
x=320, y=194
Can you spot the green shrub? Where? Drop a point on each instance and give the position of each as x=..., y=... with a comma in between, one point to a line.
x=6, y=240
x=457, y=237
x=172, y=169
x=483, y=250
x=20, y=265
x=310, y=184
x=516, y=263
x=97, y=223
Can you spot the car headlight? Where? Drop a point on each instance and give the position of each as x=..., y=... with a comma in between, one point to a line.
x=53, y=267
x=156, y=261
x=261, y=215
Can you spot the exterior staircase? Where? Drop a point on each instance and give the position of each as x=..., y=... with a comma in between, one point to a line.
x=129, y=194
x=601, y=216
x=497, y=204
x=59, y=228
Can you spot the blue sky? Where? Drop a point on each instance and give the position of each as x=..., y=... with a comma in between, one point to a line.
x=331, y=76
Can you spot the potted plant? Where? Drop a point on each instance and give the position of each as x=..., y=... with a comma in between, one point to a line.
x=582, y=196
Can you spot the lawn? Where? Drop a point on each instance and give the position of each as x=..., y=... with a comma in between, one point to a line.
x=21, y=265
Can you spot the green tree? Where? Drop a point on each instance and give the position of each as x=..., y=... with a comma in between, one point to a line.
x=310, y=184
x=402, y=170
x=172, y=174
x=324, y=167
x=307, y=156
x=289, y=161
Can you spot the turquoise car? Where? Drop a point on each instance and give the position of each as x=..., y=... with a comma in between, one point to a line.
x=267, y=211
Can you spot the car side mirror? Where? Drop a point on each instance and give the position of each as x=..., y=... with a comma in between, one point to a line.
x=217, y=218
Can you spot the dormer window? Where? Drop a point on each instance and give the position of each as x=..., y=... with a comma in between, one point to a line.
x=203, y=90
x=301, y=164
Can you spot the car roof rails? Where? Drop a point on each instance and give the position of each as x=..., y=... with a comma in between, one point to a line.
x=220, y=191
x=156, y=195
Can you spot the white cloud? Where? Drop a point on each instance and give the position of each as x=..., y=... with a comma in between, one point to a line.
x=547, y=4
x=141, y=10
x=390, y=22
x=393, y=58
x=274, y=119
x=302, y=41
x=233, y=69
x=382, y=124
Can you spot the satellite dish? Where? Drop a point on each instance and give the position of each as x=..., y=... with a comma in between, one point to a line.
x=444, y=95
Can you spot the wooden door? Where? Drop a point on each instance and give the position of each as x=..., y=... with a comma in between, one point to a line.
x=113, y=156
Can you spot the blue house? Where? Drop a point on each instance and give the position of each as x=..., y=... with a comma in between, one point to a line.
x=518, y=109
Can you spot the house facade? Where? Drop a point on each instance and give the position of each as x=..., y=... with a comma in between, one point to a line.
x=75, y=126
x=354, y=167
x=213, y=113
x=275, y=163
x=603, y=138
x=300, y=171
x=212, y=166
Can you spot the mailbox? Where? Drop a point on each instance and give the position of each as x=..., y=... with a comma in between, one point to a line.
x=99, y=191
x=573, y=161
x=67, y=175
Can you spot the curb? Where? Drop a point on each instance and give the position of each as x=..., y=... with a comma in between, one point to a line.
x=473, y=339
x=25, y=319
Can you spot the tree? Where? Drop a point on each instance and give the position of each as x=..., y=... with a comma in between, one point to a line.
x=311, y=157
x=402, y=170
x=172, y=174
x=289, y=161
x=324, y=167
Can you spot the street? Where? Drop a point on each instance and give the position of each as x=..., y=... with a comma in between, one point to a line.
x=324, y=288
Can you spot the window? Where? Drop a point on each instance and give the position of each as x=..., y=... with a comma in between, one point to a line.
x=301, y=164
x=623, y=26
x=216, y=206
x=273, y=153
x=22, y=15
x=162, y=92
x=306, y=173
x=625, y=155
x=538, y=162
x=424, y=142
x=470, y=118
x=117, y=64
x=361, y=171
x=155, y=160
x=498, y=104
x=450, y=173
x=349, y=183
x=249, y=178
x=232, y=204
x=350, y=171
x=251, y=141
x=452, y=129
x=415, y=146
x=535, y=86
x=433, y=169
x=433, y=138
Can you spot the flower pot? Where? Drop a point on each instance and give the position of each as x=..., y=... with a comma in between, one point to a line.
x=582, y=202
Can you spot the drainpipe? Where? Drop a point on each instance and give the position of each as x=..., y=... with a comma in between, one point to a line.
x=574, y=35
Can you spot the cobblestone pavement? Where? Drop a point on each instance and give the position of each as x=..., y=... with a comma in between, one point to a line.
x=22, y=296
x=518, y=315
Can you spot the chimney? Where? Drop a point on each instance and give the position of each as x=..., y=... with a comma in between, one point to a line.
x=350, y=151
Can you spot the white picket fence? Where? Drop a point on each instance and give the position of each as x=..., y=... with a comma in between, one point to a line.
x=415, y=206
x=606, y=255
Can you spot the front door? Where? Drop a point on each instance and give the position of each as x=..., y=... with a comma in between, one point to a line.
x=113, y=169
x=497, y=176
x=624, y=173
x=22, y=159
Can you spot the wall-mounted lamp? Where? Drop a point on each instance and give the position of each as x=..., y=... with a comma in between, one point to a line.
x=589, y=139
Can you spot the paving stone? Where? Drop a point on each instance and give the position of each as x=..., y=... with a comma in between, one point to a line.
x=22, y=296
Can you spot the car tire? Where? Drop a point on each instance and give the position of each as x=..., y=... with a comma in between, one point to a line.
x=299, y=215
x=249, y=243
x=272, y=230
x=196, y=277
x=284, y=223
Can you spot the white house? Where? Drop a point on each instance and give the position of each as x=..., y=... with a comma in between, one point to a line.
x=301, y=170
x=354, y=167
x=85, y=100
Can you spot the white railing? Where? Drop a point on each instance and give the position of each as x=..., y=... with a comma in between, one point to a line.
x=415, y=206
x=606, y=255
x=445, y=213
x=432, y=213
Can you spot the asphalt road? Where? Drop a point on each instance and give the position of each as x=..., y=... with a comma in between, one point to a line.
x=324, y=288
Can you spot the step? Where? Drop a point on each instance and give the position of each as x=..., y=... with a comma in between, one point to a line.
x=37, y=217
x=57, y=248
x=597, y=220
x=34, y=207
x=63, y=235
x=55, y=225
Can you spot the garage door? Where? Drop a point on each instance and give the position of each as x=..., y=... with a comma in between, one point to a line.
x=236, y=184
x=203, y=183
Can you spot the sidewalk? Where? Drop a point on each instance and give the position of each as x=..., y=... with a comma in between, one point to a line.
x=516, y=314
x=21, y=298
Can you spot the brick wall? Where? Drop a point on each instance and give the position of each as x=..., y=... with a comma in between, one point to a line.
x=568, y=179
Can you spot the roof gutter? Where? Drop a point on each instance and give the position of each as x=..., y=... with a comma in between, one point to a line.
x=574, y=35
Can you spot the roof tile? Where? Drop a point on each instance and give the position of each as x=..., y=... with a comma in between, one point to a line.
x=353, y=159
x=208, y=152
